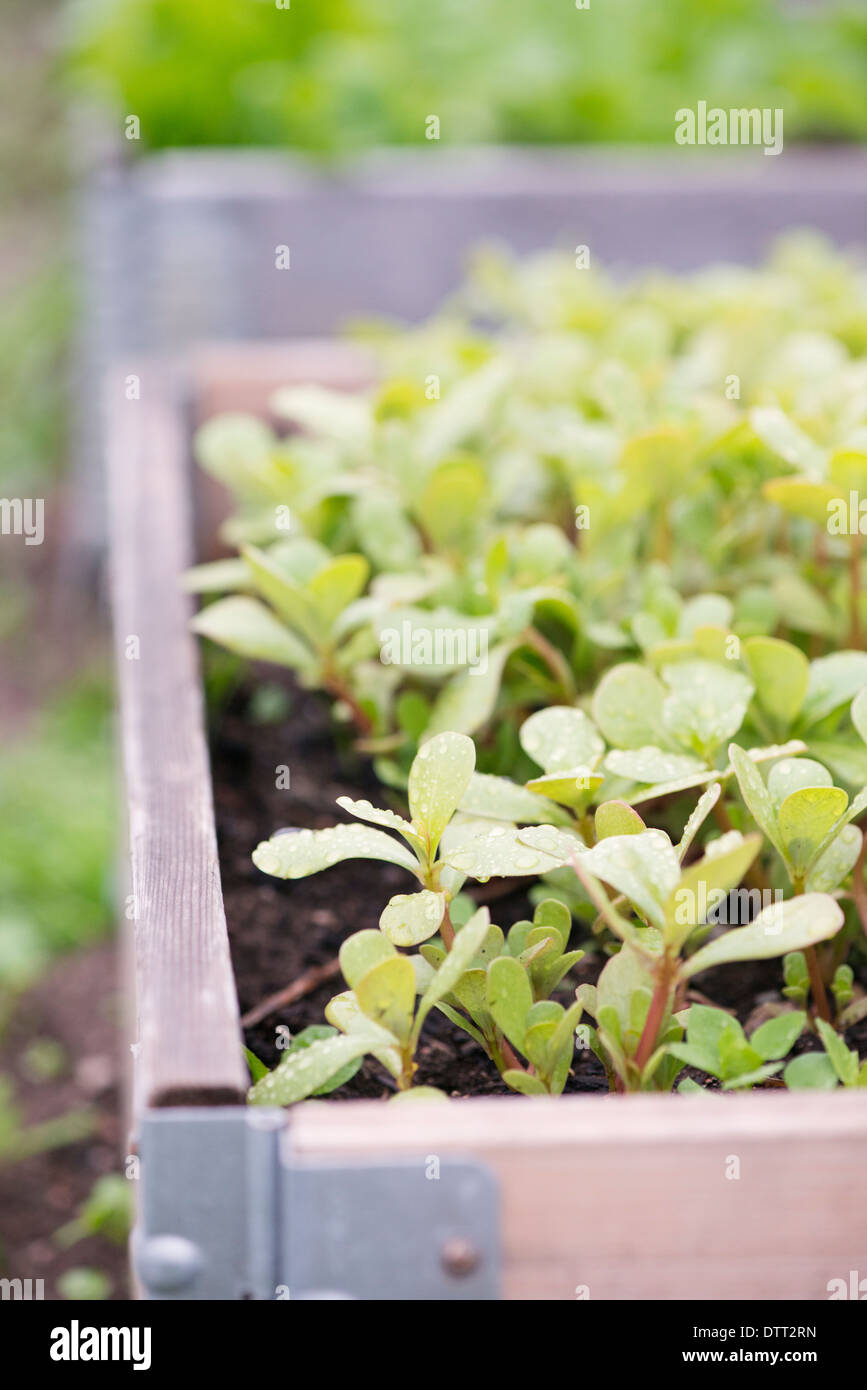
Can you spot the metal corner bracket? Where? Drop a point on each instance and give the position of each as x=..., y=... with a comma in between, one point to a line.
x=228, y=1210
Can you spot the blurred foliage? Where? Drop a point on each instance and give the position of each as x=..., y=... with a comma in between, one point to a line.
x=56, y=806
x=349, y=74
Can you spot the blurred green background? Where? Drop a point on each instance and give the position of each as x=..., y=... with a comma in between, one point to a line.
x=339, y=75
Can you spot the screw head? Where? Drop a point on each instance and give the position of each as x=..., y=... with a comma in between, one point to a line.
x=168, y=1263
x=459, y=1257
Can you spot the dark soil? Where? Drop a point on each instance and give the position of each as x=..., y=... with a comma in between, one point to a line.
x=76, y=1006
x=280, y=930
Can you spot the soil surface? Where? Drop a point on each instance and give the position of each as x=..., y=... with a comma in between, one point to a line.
x=76, y=1008
x=280, y=930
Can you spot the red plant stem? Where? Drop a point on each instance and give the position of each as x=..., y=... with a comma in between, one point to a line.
x=655, y=1015
x=447, y=931
x=336, y=687
x=817, y=984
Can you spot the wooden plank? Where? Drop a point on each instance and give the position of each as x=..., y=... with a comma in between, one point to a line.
x=189, y=1042
x=633, y=1197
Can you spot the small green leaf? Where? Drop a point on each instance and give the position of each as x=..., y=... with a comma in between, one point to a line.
x=756, y=795
x=361, y=952
x=858, y=713
x=500, y=799
x=780, y=672
x=510, y=998
x=703, y=886
x=386, y=994
x=503, y=851
x=410, y=918
x=617, y=818
x=834, y=681
x=525, y=1083
x=805, y=818
x=257, y=1067
x=302, y=1073
x=644, y=867
x=778, y=1036
x=812, y=1071
x=438, y=779
x=703, y=808
x=297, y=853
x=627, y=706
x=561, y=737
x=247, y=627
x=467, y=945
x=834, y=863
x=652, y=765
x=786, y=926
x=843, y=1060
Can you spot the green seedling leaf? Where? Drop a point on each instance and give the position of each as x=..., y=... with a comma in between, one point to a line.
x=812, y=1071
x=438, y=779
x=652, y=765
x=418, y=1093
x=525, y=1083
x=560, y=738
x=290, y=599
x=706, y=703
x=703, y=808
x=467, y=945
x=499, y=799
x=501, y=851
x=247, y=627
x=318, y=1032
x=237, y=449
x=704, y=885
x=257, y=1068
x=843, y=1060
x=834, y=681
x=386, y=994
x=781, y=674
x=805, y=819
x=778, y=1036
x=301, y=1074
x=337, y=415
x=746, y=1079
x=617, y=818
x=627, y=706
x=333, y=588
x=788, y=926
x=217, y=577
x=791, y=774
x=410, y=918
x=756, y=796
x=510, y=998
x=836, y=862
x=644, y=867
x=570, y=788
x=361, y=952
x=297, y=853
x=376, y=815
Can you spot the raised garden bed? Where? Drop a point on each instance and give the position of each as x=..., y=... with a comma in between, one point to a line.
x=579, y=1196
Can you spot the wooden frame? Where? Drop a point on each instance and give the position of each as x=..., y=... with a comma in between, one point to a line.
x=756, y=1196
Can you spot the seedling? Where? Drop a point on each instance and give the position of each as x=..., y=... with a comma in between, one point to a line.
x=716, y=1044
x=824, y=1071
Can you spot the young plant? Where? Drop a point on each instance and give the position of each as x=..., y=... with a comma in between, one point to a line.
x=808, y=821
x=298, y=615
x=716, y=1044
x=381, y=1014
x=824, y=1071
x=670, y=905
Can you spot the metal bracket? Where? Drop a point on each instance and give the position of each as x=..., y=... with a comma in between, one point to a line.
x=229, y=1211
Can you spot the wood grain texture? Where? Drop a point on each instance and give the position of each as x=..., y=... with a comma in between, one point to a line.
x=189, y=1041
x=629, y=1198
